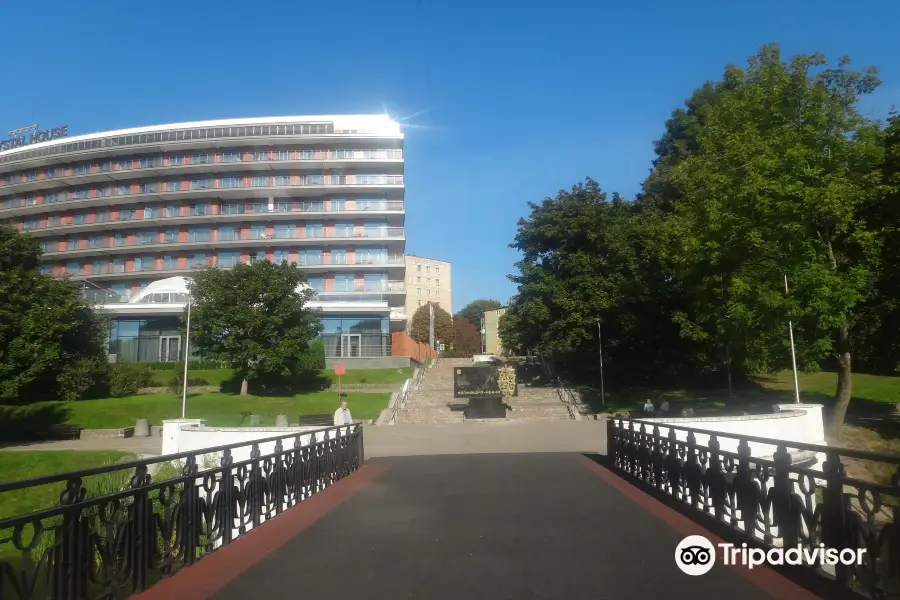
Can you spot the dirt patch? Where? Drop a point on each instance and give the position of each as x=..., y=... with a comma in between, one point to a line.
x=876, y=438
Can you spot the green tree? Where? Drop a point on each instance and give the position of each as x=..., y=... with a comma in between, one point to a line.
x=52, y=342
x=253, y=318
x=785, y=171
x=443, y=325
x=474, y=310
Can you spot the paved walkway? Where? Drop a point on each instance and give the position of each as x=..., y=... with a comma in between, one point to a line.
x=501, y=526
x=415, y=440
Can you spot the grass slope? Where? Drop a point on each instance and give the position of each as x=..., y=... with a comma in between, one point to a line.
x=222, y=410
x=361, y=376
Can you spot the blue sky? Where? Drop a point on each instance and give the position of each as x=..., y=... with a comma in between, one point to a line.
x=506, y=102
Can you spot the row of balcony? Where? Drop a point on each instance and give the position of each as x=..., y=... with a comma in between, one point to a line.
x=126, y=217
x=338, y=291
x=123, y=168
x=193, y=264
x=232, y=188
x=228, y=136
x=100, y=245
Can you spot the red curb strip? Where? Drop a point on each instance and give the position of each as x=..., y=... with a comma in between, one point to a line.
x=219, y=568
x=765, y=578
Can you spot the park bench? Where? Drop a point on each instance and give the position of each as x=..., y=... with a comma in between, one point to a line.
x=304, y=420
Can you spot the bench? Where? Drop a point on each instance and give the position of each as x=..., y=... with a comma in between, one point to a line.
x=304, y=420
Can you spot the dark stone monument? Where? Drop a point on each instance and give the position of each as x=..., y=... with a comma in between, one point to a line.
x=481, y=387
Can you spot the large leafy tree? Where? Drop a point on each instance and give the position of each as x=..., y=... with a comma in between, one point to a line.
x=475, y=309
x=47, y=332
x=785, y=171
x=253, y=318
x=443, y=325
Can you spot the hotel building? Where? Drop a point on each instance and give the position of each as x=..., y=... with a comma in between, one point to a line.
x=131, y=214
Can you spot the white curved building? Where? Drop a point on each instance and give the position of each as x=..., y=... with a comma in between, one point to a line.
x=130, y=213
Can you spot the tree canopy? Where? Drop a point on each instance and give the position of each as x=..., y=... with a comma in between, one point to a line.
x=47, y=331
x=475, y=309
x=253, y=318
x=443, y=325
x=767, y=175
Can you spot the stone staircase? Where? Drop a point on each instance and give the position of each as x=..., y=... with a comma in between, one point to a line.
x=433, y=402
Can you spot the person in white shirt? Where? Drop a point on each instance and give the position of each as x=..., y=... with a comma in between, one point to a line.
x=342, y=415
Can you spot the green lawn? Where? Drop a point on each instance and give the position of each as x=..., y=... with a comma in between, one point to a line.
x=870, y=392
x=222, y=410
x=25, y=465
x=367, y=376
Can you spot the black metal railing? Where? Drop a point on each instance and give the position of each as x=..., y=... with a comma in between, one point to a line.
x=780, y=499
x=139, y=530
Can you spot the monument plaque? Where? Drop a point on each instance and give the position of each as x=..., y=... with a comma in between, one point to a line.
x=477, y=382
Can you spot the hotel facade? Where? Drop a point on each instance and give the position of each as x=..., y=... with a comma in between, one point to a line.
x=130, y=215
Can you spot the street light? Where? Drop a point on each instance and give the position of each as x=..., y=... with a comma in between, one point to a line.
x=793, y=353
x=602, y=390
x=187, y=344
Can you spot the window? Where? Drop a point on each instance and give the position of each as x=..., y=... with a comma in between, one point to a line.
x=144, y=263
x=312, y=206
x=199, y=210
x=153, y=212
x=229, y=209
x=226, y=234
x=79, y=219
x=309, y=257
x=282, y=207
x=198, y=260
x=429, y=281
x=171, y=236
x=261, y=155
x=284, y=231
x=198, y=235
x=73, y=268
x=259, y=181
x=282, y=155
x=173, y=211
x=230, y=182
x=420, y=303
x=282, y=180
x=127, y=214
x=32, y=175
x=344, y=282
x=146, y=237
x=170, y=262
x=338, y=205
x=437, y=283
x=148, y=188
x=27, y=225
x=437, y=293
x=82, y=169
x=123, y=189
x=419, y=268
x=151, y=161
x=257, y=232
x=418, y=291
x=228, y=259
x=229, y=157
x=82, y=194
x=51, y=197
x=72, y=244
x=418, y=280
x=105, y=166
x=201, y=184
x=314, y=230
x=120, y=239
x=316, y=283
x=256, y=207
x=338, y=180
x=343, y=230
x=101, y=217
x=437, y=270
x=339, y=257
x=428, y=292
x=175, y=161
x=201, y=159
x=428, y=269
x=282, y=255
x=123, y=164
x=312, y=180
x=173, y=186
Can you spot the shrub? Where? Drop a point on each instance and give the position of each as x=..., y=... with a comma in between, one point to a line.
x=83, y=378
x=314, y=358
x=176, y=383
x=127, y=378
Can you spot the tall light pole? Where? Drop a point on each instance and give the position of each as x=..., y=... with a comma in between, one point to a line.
x=600, y=338
x=187, y=344
x=793, y=353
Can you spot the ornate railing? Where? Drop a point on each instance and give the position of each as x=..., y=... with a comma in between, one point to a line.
x=120, y=537
x=790, y=495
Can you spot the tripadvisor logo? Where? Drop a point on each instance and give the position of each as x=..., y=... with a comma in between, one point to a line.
x=696, y=555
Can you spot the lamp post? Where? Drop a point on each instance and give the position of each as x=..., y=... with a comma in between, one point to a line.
x=187, y=344
x=793, y=353
x=600, y=338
